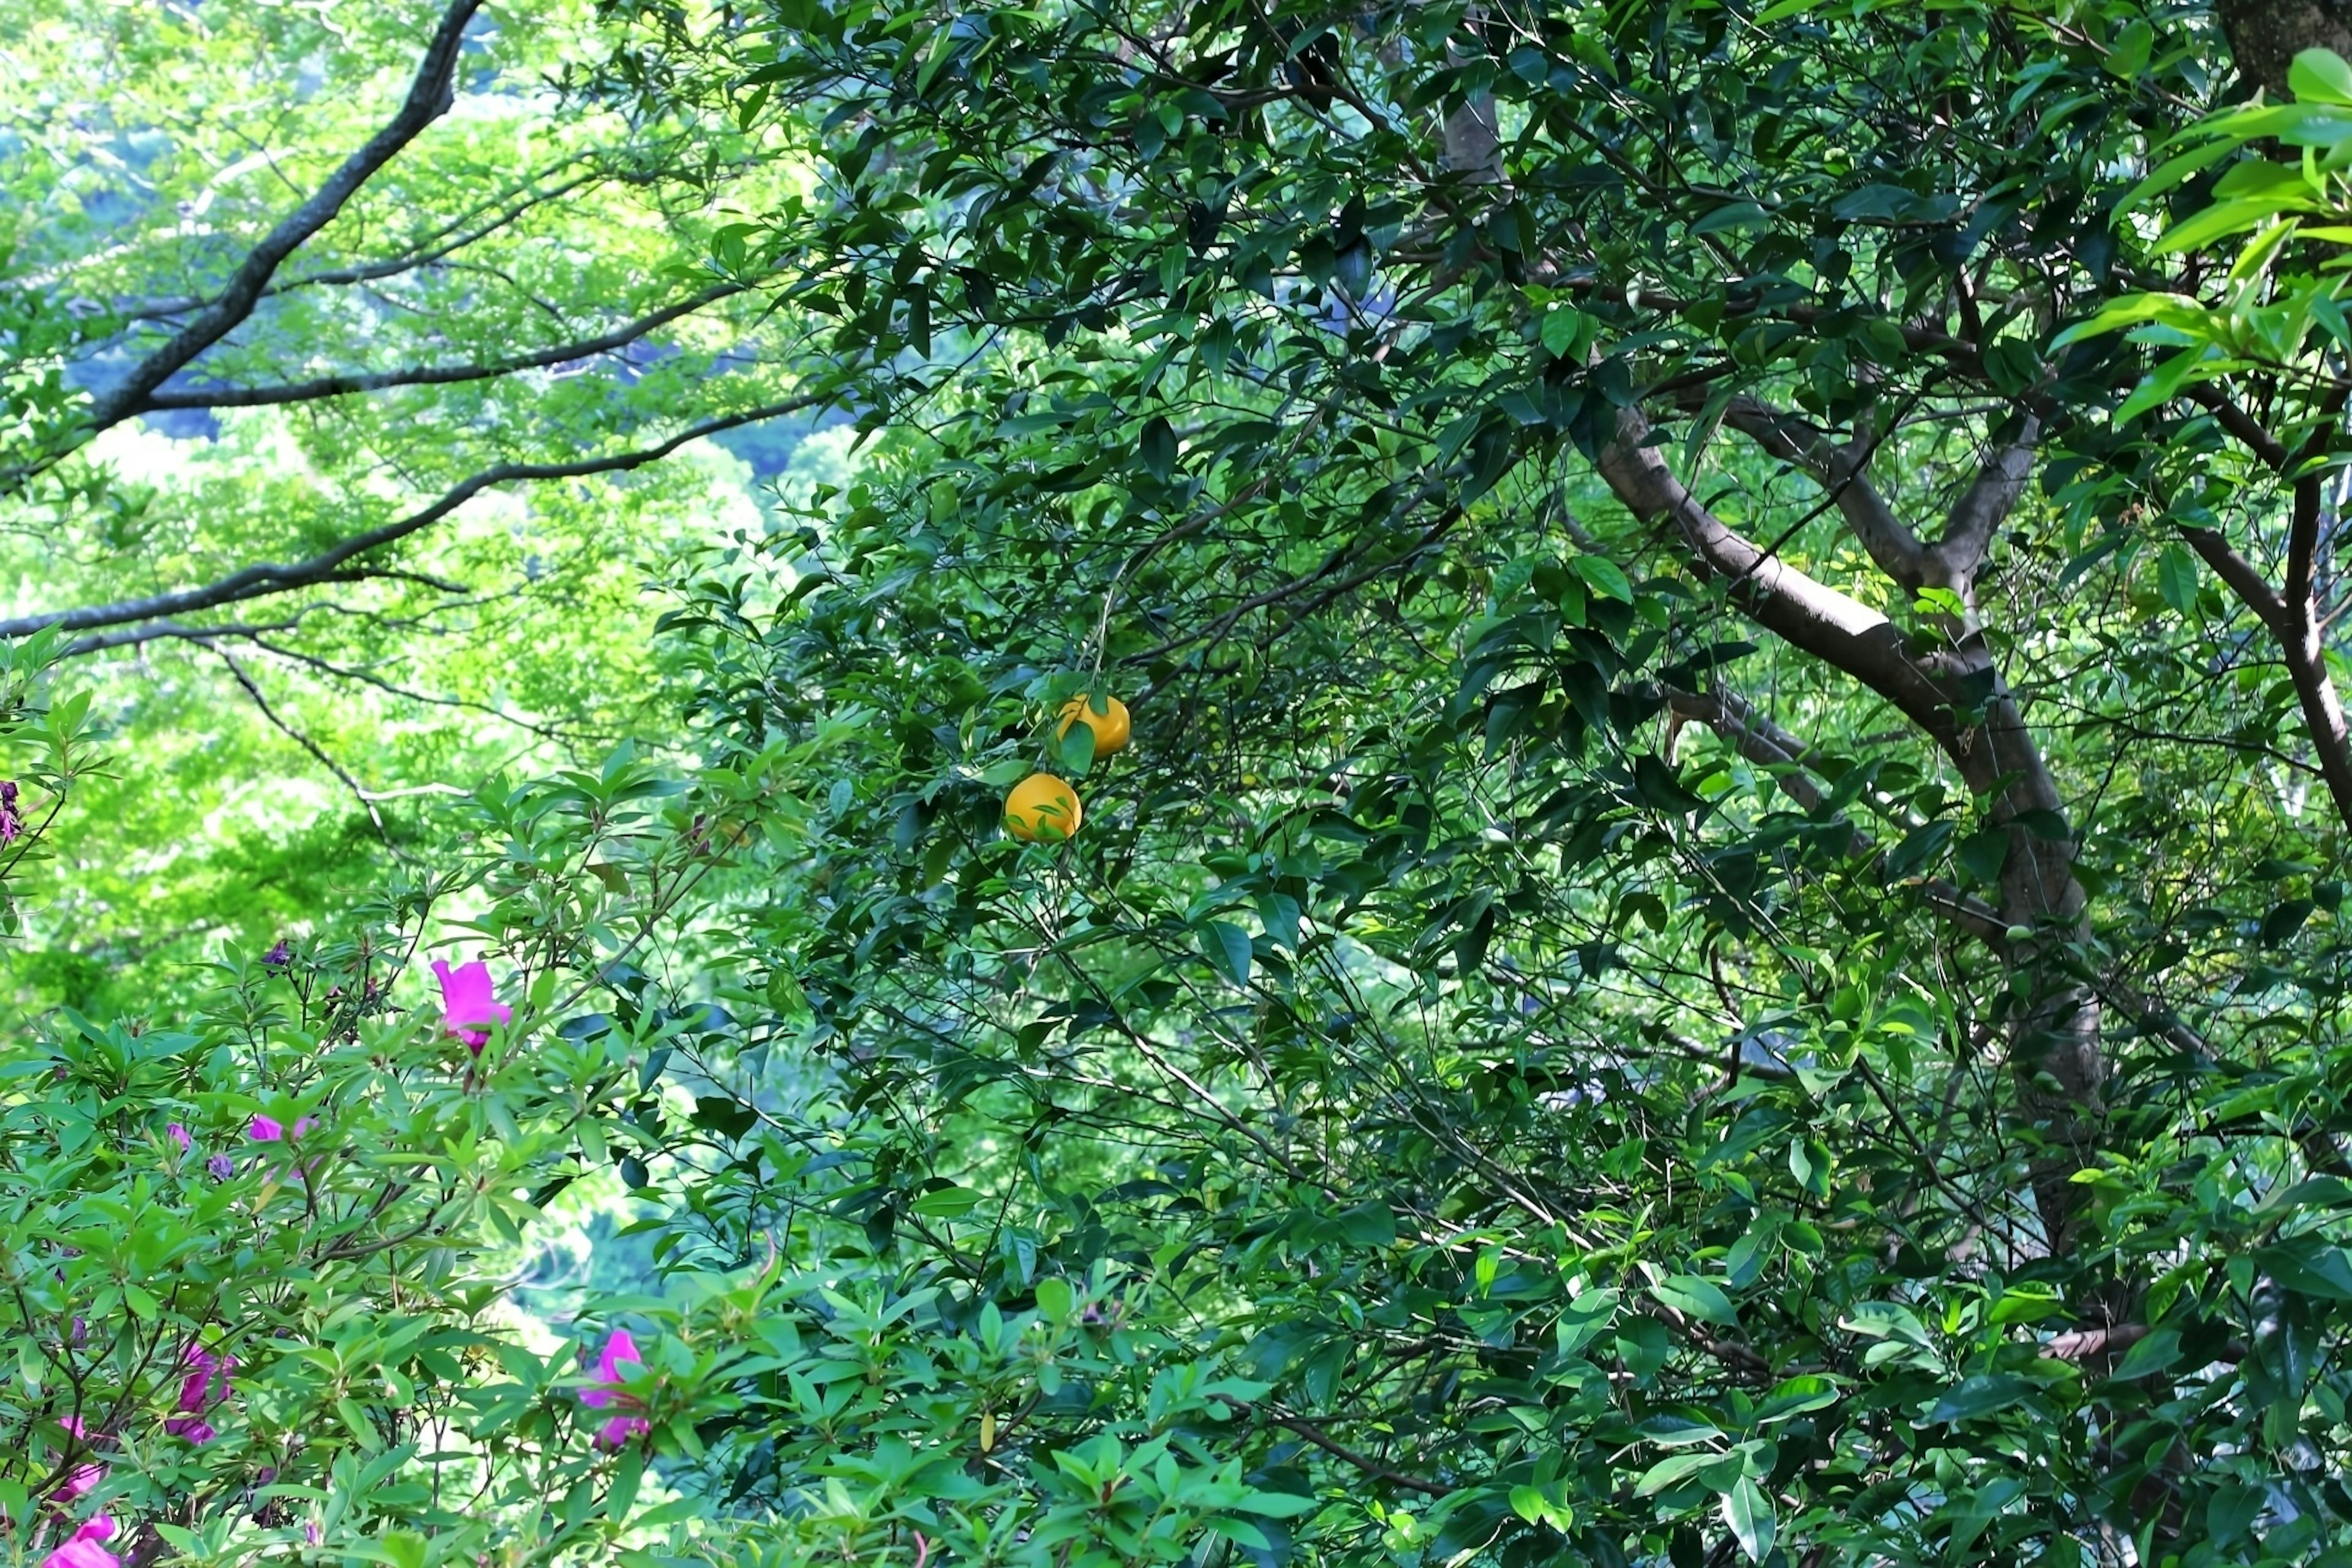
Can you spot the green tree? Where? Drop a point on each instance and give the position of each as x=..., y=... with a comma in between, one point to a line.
x=358, y=373
x=1721, y=934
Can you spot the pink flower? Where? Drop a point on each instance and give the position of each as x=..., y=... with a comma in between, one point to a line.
x=86, y=1548
x=83, y=1477
x=180, y=1136
x=269, y=1130
x=197, y=1393
x=618, y=1429
x=468, y=1003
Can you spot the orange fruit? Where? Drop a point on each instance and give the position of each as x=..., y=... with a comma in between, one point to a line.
x=1111, y=728
x=1042, y=807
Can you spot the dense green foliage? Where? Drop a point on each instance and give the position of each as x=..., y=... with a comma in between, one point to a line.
x=524, y=285
x=1719, y=940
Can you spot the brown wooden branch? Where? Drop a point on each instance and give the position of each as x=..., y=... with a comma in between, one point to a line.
x=318, y=752
x=2241, y=576
x=337, y=564
x=430, y=95
x=1842, y=631
x=2239, y=423
x=1840, y=470
x=437, y=375
x=1981, y=509
x=1335, y=1449
x=421, y=251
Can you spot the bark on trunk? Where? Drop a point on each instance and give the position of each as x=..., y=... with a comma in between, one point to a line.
x=2266, y=34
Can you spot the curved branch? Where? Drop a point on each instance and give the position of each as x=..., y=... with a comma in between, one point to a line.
x=1982, y=508
x=437, y=375
x=1838, y=470
x=334, y=565
x=430, y=95
x=1839, y=631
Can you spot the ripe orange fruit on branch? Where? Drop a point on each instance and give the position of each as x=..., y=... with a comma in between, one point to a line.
x=1110, y=728
x=1042, y=807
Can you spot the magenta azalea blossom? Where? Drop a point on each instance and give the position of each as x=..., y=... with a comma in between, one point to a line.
x=180, y=1136
x=83, y=1477
x=269, y=1130
x=87, y=1547
x=206, y=1383
x=469, y=1003
x=618, y=1429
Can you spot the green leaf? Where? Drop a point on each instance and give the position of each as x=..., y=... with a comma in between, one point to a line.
x=1749, y=1512
x=1983, y=853
x=1696, y=1297
x=1985, y=1395
x=946, y=1202
x=2151, y=1356
x=628, y=1472
x=2320, y=76
x=1370, y=1223
x=1736, y=214
x=1712, y=1471
x=1159, y=447
x=1227, y=948
x=1276, y=1505
x=2308, y=1267
x=2176, y=577
x=2284, y=920
x=1564, y=327
x=1602, y=577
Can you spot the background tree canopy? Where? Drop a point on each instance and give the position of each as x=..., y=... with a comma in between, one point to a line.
x=1718, y=939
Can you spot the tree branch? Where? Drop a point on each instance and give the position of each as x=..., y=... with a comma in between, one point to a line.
x=437, y=375
x=1769, y=745
x=333, y=565
x=1838, y=470
x=2244, y=577
x=1841, y=632
x=430, y=95
x=307, y=744
x=422, y=251
x=1981, y=509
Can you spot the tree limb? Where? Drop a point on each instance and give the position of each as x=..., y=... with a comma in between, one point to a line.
x=437, y=375
x=430, y=95
x=334, y=565
x=307, y=744
x=1838, y=470
x=1841, y=632
x=1981, y=509
x=2243, y=576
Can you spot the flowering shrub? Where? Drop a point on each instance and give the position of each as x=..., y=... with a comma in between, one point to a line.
x=246, y=1289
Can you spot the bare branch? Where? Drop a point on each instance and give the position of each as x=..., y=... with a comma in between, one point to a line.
x=1769, y=745
x=1838, y=470
x=334, y=565
x=2244, y=577
x=437, y=375
x=2239, y=423
x=1842, y=631
x=430, y=95
x=307, y=744
x=1983, y=508
x=422, y=251
x=1758, y=739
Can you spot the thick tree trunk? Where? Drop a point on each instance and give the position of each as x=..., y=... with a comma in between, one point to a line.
x=2266, y=34
x=1959, y=698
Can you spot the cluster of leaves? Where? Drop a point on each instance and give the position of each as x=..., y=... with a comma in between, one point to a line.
x=1591, y=1017
x=248, y=1251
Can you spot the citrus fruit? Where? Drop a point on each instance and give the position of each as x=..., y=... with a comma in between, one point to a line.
x=1042, y=807
x=1111, y=728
